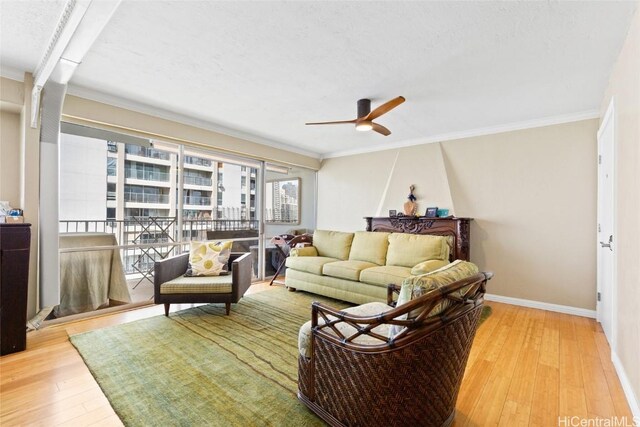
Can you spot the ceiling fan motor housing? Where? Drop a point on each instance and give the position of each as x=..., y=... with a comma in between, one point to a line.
x=364, y=107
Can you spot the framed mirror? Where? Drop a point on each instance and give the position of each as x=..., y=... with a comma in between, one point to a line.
x=282, y=201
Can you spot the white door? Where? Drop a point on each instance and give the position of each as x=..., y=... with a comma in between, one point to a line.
x=606, y=240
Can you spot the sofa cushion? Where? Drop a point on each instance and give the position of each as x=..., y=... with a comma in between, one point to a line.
x=198, y=285
x=428, y=266
x=349, y=270
x=407, y=250
x=369, y=246
x=310, y=264
x=332, y=244
x=369, y=309
x=384, y=275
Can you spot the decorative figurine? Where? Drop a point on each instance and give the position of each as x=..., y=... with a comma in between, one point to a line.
x=410, y=206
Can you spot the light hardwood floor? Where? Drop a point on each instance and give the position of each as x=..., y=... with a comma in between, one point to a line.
x=527, y=367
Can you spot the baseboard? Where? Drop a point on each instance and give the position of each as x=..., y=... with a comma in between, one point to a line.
x=583, y=312
x=626, y=385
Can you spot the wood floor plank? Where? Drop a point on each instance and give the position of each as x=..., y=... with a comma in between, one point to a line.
x=526, y=367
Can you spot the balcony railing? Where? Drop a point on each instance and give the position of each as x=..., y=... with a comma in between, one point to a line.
x=139, y=231
x=146, y=198
x=147, y=175
x=197, y=201
x=197, y=161
x=197, y=180
x=136, y=150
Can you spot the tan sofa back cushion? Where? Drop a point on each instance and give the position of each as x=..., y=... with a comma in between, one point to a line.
x=333, y=244
x=408, y=250
x=369, y=246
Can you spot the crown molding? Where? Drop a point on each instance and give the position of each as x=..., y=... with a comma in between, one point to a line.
x=508, y=127
x=139, y=107
x=12, y=73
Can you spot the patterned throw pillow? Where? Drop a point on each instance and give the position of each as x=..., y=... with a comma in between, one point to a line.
x=416, y=286
x=209, y=258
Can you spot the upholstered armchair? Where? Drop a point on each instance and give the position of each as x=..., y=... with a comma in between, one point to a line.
x=171, y=286
x=376, y=365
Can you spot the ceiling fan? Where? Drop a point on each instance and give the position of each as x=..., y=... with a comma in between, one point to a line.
x=364, y=122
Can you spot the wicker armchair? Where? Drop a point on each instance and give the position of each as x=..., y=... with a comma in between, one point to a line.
x=410, y=379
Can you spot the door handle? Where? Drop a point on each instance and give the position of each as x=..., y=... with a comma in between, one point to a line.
x=608, y=244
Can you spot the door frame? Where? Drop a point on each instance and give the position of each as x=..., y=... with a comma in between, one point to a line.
x=608, y=117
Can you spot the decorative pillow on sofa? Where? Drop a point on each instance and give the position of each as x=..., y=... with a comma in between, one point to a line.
x=209, y=258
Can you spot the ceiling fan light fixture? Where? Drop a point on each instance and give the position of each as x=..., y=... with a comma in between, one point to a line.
x=364, y=126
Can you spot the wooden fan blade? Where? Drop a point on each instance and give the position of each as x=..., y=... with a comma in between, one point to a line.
x=332, y=123
x=385, y=108
x=380, y=129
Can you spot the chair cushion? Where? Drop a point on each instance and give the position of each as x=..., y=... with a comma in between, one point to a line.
x=369, y=246
x=209, y=258
x=310, y=264
x=427, y=266
x=369, y=309
x=198, y=285
x=349, y=270
x=416, y=286
x=333, y=244
x=384, y=275
x=407, y=250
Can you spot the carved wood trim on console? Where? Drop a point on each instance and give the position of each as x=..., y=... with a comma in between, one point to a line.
x=456, y=227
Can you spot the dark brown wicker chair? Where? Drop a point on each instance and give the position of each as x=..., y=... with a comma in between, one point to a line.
x=171, y=268
x=411, y=379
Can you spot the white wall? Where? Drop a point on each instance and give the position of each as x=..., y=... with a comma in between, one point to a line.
x=624, y=89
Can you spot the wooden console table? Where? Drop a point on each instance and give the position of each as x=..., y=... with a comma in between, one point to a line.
x=458, y=228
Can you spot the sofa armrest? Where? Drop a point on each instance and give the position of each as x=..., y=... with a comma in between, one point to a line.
x=169, y=269
x=472, y=291
x=241, y=274
x=306, y=251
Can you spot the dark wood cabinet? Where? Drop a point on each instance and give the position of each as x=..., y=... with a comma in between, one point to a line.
x=457, y=228
x=15, y=240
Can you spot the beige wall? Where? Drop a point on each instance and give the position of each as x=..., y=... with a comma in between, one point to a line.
x=93, y=113
x=371, y=184
x=624, y=88
x=10, y=157
x=532, y=194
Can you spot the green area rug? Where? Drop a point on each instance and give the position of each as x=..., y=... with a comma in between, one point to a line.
x=200, y=367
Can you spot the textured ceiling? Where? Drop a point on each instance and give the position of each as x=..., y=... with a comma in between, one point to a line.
x=265, y=68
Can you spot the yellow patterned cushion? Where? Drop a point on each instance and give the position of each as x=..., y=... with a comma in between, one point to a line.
x=198, y=285
x=368, y=309
x=209, y=258
x=428, y=266
x=332, y=244
x=407, y=250
x=416, y=286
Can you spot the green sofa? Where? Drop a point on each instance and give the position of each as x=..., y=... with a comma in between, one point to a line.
x=358, y=267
